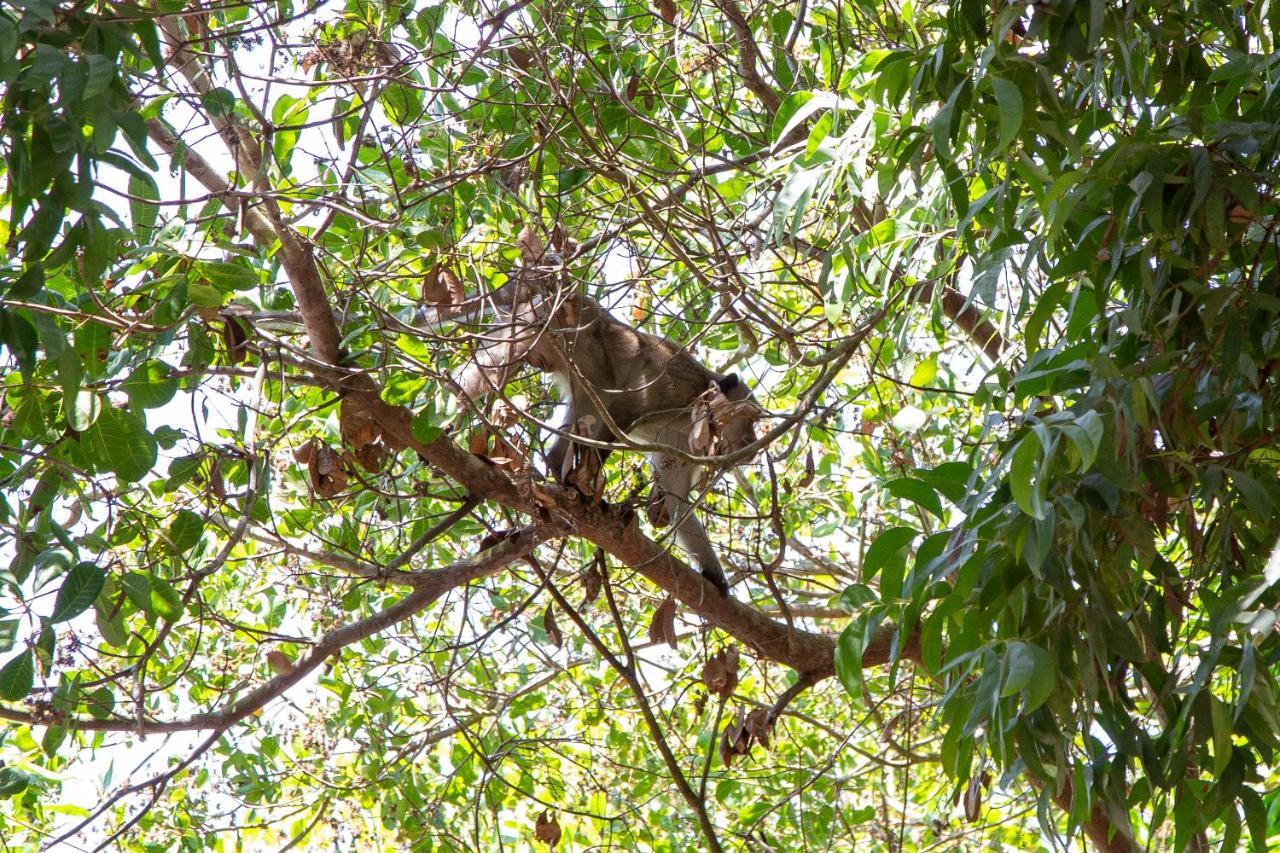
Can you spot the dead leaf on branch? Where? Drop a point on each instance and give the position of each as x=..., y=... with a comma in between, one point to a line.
x=759, y=726
x=217, y=486
x=746, y=730
x=547, y=829
x=280, y=663
x=324, y=467
x=973, y=799
x=656, y=509
x=441, y=287
x=235, y=336
x=807, y=478
x=593, y=580
x=553, y=630
x=662, y=629
x=720, y=672
x=356, y=425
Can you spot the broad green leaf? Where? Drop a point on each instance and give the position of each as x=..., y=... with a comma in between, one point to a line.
x=78, y=591
x=150, y=385
x=165, y=600
x=17, y=676
x=119, y=442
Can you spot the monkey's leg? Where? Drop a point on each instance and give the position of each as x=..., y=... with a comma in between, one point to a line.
x=675, y=480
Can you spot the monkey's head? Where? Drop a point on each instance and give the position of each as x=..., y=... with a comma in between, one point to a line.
x=725, y=417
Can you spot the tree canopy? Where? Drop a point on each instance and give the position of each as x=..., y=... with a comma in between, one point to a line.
x=1004, y=276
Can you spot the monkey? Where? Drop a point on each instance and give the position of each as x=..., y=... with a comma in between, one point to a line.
x=617, y=381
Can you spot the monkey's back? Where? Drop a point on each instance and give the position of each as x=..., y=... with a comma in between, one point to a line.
x=635, y=374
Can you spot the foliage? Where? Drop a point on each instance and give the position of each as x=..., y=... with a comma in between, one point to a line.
x=1006, y=274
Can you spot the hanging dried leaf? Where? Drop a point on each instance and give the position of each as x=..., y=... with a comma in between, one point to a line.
x=325, y=468
x=807, y=478
x=735, y=741
x=508, y=454
x=552, y=629
x=235, y=336
x=280, y=663
x=478, y=444
x=667, y=10
x=305, y=453
x=441, y=287
x=973, y=799
x=759, y=726
x=531, y=246
x=656, y=510
x=372, y=457
x=592, y=581
x=356, y=425
x=217, y=486
x=547, y=829
x=633, y=87
x=720, y=672
x=662, y=629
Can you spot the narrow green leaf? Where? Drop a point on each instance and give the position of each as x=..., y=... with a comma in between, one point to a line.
x=1021, y=473
x=1009, y=100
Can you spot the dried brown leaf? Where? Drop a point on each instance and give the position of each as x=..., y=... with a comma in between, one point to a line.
x=304, y=454
x=973, y=799
x=547, y=829
x=441, y=287
x=592, y=583
x=720, y=672
x=552, y=629
x=656, y=510
x=217, y=486
x=807, y=478
x=235, y=336
x=662, y=629
x=356, y=424
x=280, y=663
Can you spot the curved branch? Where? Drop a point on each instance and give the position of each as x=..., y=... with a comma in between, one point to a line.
x=430, y=586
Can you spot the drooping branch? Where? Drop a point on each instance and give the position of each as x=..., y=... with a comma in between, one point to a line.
x=429, y=587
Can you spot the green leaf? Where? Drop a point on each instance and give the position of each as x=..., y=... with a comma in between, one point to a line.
x=185, y=530
x=78, y=591
x=12, y=781
x=916, y=491
x=402, y=103
x=1009, y=100
x=17, y=676
x=165, y=600
x=204, y=296
x=1028, y=667
x=220, y=102
x=849, y=658
x=150, y=385
x=887, y=546
x=112, y=629
x=1021, y=473
x=143, y=208
x=119, y=442
x=223, y=275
